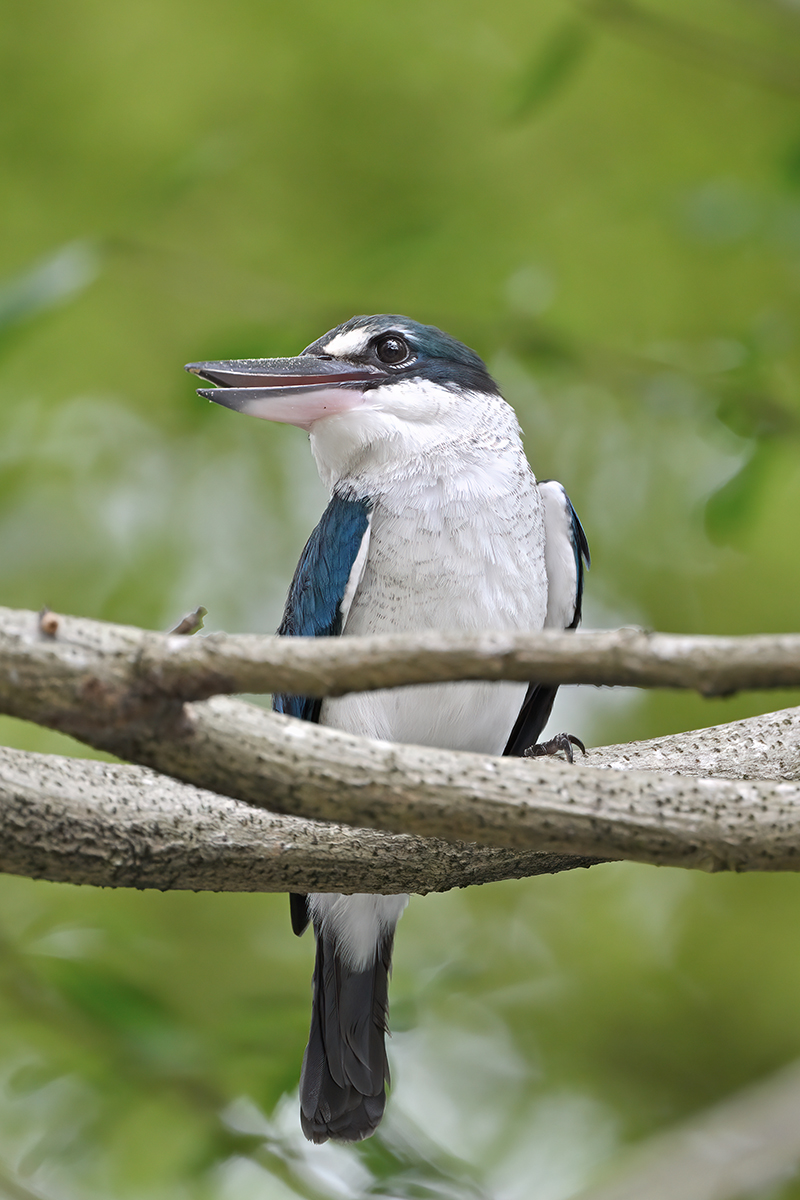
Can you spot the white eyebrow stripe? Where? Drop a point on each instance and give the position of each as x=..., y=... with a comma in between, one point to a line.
x=352, y=341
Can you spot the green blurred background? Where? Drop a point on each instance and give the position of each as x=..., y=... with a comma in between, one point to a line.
x=605, y=202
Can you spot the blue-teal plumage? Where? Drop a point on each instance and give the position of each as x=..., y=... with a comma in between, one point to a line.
x=314, y=606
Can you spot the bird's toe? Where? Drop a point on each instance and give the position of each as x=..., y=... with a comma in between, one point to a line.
x=560, y=743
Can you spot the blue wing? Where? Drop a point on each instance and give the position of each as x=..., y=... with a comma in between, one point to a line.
x=316, y=595
x=566, y=558
x=315, y=608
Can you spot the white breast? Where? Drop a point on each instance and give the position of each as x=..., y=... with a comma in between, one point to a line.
x=457, y=544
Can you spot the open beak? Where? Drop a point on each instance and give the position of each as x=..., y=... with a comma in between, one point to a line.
x=294, y=391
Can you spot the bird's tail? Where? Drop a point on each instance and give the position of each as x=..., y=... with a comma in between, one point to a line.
x=345, y=1069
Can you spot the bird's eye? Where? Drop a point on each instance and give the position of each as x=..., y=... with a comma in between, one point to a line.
x=392, y=349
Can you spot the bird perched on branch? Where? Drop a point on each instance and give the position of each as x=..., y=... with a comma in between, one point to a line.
x=436, y=521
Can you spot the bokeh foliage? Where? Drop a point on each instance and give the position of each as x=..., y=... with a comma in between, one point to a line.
x=605, y=201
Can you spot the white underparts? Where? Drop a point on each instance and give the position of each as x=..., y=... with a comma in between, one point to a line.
x=456, y=541
x=357, y=924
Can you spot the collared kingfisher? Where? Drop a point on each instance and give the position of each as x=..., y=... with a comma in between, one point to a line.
x=436, y=521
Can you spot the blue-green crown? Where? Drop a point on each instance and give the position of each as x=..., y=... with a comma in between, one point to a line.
x=434, y=354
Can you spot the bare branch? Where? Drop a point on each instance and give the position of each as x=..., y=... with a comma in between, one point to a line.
x=96, y=682
x=533, y=804
x=124, y=670
x=319, y=773
x=746, y=1144
x=763, y=747
x=78, y=821
x=123, y=826
x=191, y=622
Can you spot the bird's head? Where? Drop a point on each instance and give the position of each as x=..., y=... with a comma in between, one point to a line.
x=384, y=382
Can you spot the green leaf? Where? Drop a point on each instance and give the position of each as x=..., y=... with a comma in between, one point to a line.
x=48, y=284
x=551, y=68
x=732, y=506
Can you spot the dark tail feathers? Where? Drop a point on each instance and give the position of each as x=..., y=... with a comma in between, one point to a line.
x=342, y=1084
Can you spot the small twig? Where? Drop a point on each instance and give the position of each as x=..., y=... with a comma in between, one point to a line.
x=190, y=623
x=48, y=622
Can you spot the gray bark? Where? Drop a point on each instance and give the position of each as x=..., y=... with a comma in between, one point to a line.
x=77, y=821
x=124, y=690
x=122, y=665
x=537, y=804
x=119, y=825
x=764, y=747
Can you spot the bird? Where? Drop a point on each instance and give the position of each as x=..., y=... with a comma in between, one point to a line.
x=435, y=521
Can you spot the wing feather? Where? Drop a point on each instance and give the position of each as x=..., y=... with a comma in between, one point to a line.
x=322, y=590
x=320, y=595
x=566, y=556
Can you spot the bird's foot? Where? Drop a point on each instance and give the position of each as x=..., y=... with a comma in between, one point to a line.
x=561, y=743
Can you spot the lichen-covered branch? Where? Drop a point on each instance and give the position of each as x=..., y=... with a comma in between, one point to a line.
x=126, y=668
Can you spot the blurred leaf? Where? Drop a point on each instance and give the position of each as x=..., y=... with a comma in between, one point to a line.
x=737, y=56
x=729, y=510
x=790, y=164
x=48, y=284
x=551, y=68
x=720, y=212
x=31, y=1077
x=751, y=414
x=12, y=1188
x=107, y=998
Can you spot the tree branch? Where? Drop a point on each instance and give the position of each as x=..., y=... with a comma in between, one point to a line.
x=98, y=683
x=746, y=1144
x=579, y=814
x=77, y=821
x=322, y=774
x=763, y=747
x=125, y=667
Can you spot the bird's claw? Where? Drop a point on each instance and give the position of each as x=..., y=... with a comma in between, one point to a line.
x=561, y=742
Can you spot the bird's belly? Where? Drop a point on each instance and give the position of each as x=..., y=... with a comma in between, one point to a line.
x=454, y=716
x=440, y=561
